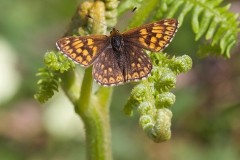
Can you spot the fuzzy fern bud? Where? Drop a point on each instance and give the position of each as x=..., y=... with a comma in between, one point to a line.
x=56, y=61
x=146, y=108
x=161, y=131
x=167, y=80
x=181, y=64
x=165, y=100
x=146, y=122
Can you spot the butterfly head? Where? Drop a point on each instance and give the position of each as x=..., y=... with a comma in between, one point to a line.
x=116, y=40
x=114, y=31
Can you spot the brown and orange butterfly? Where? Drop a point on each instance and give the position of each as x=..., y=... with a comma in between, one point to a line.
x=119, y=57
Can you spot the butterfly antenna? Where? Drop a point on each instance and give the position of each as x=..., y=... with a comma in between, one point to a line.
x=134, y=9
x=88, y=16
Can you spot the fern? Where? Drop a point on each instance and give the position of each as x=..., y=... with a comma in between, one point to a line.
x=152, y=97
x=49, y=76
x=209, y=19
x=47, y=84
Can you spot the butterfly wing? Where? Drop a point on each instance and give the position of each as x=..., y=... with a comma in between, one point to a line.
x=132, y=65
x=153, y=36
x=106, y=70
x=111, y=67
x=83, y=50
x=138, y=64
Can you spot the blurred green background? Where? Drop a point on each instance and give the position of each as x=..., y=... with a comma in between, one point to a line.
x=206, y=115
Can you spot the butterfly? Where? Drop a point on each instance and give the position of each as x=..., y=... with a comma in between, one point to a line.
x=119, y=57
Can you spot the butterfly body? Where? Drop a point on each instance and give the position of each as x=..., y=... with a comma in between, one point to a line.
x=119, y=57
x=117, y=45
x=116, y=40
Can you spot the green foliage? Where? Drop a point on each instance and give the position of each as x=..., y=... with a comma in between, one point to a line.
x=56, y=61
x=209, y=19
x=111, y=12
x=128, y=5
x=49, y=80
x=152, y=97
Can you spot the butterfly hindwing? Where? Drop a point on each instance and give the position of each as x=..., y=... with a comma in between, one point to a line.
x=134, y=65
x=154, y=36
x=138, y=64
x=106, y=70
x=83, y=50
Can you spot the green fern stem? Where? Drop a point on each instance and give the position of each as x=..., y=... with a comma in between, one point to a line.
x=96, y=119
x=92, y=107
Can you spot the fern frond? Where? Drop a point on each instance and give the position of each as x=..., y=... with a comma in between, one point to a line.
x=209, y=18
x=47, y=84
x=152, y=97
x=49, y=76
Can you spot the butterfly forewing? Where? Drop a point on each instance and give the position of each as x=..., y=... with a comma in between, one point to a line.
x=154, y=36
x=83, y=50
